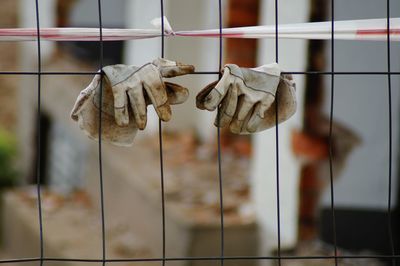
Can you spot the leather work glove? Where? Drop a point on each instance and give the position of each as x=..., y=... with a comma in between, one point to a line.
x=127, y=90
x=246, y=98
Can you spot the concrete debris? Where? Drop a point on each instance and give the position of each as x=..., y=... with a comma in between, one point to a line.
x=192, y=179
x=73, y=226
x=318, y=248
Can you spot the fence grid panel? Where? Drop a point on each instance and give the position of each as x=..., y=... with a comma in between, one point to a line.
x=332, y=73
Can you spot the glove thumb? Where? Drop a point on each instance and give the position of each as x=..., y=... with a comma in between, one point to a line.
x=176, y=93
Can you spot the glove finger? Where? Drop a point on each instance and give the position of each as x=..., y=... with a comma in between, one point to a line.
x=254, y=120
x=178, y=70
x=259, y=114
x=169, y=69
x=139, y=107
x=228, y=108
x=176, y=93
x=84, y=97
x=243, y=109
x=156, y=91
x=184, y=69
x=121, y=113
x=214, y=98
x=200, y=98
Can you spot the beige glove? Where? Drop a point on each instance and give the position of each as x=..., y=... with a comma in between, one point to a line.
x=127, y=90
x=246, y=98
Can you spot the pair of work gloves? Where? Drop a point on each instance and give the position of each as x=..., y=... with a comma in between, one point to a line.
x=246, y=98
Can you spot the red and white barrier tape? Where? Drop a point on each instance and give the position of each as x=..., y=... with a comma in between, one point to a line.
x=368, y=29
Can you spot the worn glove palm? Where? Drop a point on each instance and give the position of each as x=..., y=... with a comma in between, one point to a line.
x=127, y=90
x=247, y=98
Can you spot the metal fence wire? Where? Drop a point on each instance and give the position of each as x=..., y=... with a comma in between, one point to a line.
x=392, y=257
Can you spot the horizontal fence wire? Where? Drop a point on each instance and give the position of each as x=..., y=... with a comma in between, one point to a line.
x=205, y=258
x=39, y=73
x=49, y=73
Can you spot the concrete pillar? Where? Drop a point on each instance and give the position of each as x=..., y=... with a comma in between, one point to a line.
x=28, y=88
x=292, y=57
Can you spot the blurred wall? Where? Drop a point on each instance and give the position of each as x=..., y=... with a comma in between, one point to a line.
x=86, y=13
x=361, y=103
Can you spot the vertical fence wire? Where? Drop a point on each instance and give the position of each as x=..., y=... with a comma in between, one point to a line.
x=219, y=153
x=389, y=80
x=332, y=192
x=278, y=208
x=101, y=46
x=38, y=140
x=160, y=140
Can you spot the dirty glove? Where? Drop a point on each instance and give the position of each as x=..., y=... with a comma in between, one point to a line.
x=127, y=90
x=246, y=98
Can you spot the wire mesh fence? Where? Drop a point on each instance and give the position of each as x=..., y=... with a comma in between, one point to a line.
x=41, y=258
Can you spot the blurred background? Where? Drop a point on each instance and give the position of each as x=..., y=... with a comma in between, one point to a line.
x=69, y=168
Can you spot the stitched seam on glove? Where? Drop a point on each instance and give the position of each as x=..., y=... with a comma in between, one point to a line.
x=133, y=73
x=227, y=114
x=250, y=87
x=244, y=82
x=166, y=66
x=98, y=108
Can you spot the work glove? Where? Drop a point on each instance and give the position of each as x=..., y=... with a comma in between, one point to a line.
x=127, y=90
x=247, y=97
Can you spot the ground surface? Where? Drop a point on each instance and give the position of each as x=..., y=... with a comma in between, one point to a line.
x=72, y=228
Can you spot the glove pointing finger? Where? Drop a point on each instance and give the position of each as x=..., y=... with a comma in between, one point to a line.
x=228, y=108
x=170, y=69
x=213, y=94
x=155, y=89
x=176, y=93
